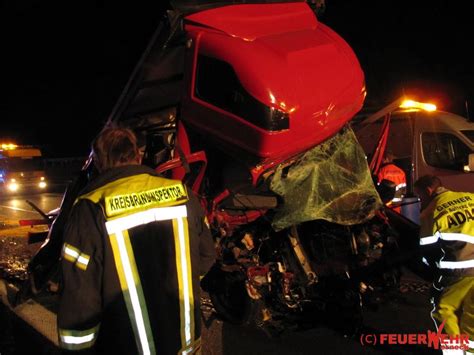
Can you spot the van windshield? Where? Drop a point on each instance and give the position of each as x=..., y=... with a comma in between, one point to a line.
x=469, y=133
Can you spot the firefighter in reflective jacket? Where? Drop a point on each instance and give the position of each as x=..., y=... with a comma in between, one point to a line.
x=447, y=240
x=389, y=171
x=133, y=247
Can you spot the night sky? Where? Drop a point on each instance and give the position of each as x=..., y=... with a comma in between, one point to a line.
x=64, y=67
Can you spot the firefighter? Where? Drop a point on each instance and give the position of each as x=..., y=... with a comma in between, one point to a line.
x=132, y=250
x=389, y=171
x=447, y=240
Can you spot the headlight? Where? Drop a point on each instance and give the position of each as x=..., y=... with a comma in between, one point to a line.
x=13, y=186
x=42, y=184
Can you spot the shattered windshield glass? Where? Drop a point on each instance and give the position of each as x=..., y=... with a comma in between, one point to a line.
x=331, y=181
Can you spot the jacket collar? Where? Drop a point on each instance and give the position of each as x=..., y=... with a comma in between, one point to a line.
x=115, y=174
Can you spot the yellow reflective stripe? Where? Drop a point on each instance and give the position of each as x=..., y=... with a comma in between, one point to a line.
x=179, y=273
x=127, y=283
x=78, y=339
x=194, y=348
x=183, y=265
x=75, y=256
x=140, y=295
x=83, y=261
x=189, y=278
x=123, y=252
x=70, y=253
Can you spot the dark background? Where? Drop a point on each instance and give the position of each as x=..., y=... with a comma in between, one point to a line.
x=64, y=66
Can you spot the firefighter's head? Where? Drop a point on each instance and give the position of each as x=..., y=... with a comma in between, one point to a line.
x=389, y=156
x=425, y=188
x=115, y=147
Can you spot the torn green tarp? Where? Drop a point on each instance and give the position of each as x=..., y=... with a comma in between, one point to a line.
x=331, y=182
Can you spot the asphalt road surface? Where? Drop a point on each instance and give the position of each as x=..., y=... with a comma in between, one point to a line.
x=403, y=311
x=15, y=207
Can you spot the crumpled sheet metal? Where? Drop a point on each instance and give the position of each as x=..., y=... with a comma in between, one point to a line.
x=331, y=181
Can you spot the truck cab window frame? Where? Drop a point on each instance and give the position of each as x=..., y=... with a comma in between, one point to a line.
x=218, y=84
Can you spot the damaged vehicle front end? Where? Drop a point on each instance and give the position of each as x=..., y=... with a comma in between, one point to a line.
x=254, y=118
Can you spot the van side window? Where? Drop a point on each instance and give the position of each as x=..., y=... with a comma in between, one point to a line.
x=444, y=150
x=218, y=84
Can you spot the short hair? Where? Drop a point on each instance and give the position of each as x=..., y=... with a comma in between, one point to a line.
x=114, y=147
x=426, y=181
x=389, y=156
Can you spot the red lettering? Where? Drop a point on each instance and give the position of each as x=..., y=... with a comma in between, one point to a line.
x=433, y=340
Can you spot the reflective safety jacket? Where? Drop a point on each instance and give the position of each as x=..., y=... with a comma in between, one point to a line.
x=133, y=248
x=447, y=224
x=393, y=173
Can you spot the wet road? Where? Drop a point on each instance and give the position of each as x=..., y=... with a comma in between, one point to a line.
x=16, y=207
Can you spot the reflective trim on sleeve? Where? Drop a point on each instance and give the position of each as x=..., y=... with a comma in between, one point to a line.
x=453, y=237
x=70, y=253
x=400, y=186
x=465, y=264
x=429, y=240
x=75, y=256
x=77, y=339
x=83, y=261
x=457, y=237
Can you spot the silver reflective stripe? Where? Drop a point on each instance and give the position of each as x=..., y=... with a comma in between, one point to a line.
x=71, y=252
x=116, y=227
x=186, y=277
x=400, y=186
x=429, y=240
x=137, y=310
x=425, y=261
x=78, y=339
x=465, y=264
x=154, y=214
x=83, y=260
x=457, y=237
x=70, y=339
x=74, y=255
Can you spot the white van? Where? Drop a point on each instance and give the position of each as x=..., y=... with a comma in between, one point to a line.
x=424, y=141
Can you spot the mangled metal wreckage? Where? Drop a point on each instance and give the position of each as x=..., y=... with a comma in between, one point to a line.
x=249, y=104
